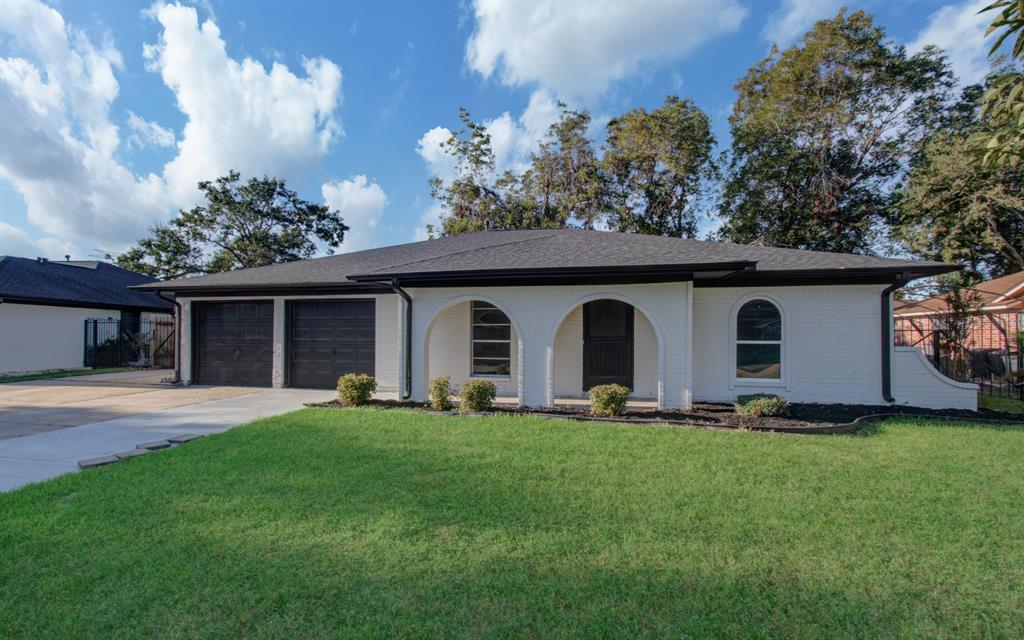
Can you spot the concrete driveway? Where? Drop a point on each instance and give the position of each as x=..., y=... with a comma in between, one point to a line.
x=39, y=406
x=47, y=426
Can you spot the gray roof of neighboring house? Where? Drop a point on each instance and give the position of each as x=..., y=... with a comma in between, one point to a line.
x=84, y=284
x=547, y=251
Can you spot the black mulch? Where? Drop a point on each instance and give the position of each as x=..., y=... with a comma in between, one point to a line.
x=709, y=414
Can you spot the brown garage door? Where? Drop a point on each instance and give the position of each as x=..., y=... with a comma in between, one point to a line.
x=234, y=342
x=328, y=338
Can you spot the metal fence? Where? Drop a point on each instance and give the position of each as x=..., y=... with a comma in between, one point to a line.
x=129, y=342
x=994, y=346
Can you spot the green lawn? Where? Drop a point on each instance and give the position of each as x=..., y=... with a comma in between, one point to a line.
x=62, y=373
x=328, y=523
x=999, y=403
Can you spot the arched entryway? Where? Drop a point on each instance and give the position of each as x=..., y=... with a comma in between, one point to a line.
x=475, y=338
x=605, y=340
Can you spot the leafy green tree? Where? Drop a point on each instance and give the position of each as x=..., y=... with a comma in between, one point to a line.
x=1002, y=142
x=562, y=185
x=564, y=182
x=659, y=168
x=821, y=133
x=474, y=199
x=957, y=209
x=249, y=224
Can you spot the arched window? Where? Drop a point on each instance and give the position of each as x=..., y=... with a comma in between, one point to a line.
x=759, y=341
x=492, y=341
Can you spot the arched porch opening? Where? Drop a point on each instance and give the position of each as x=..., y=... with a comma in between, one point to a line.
x=475, y=338
x=605, y=339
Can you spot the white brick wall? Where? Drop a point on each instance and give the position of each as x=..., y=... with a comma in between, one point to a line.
x=831, y=350
x=538, y=312
x=917, y=383
x=831, y=343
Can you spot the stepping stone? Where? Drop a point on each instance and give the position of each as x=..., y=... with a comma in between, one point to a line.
x=89, y=463
x=183, y=438
x=130, y=454
x=153, y=445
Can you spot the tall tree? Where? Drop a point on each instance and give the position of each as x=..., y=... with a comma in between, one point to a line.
x=473, y=200
x=249, y=224
x=561, y=186
x=1002, y=142
x=822, y=131
x=658, y=165
x=564, y=181
x=958, y=209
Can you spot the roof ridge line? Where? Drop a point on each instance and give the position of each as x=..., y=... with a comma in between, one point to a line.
x=490, y=246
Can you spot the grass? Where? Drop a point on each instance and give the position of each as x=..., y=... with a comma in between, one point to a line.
x=60, y=373
x=364, y=524
x=998, y=403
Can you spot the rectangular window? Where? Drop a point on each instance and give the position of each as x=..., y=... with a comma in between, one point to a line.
x=755, y=360
x=492, y=341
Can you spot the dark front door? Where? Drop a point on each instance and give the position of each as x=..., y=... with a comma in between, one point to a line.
x=234, y=342
x=329, y=338
x=607, y=343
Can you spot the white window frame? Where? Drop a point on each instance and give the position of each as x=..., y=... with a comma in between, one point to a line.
x=473, y=340
x=735, y=380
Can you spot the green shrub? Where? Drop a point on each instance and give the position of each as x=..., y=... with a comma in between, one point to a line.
x=355, y=389
x=761, y=404
x=441, y=393
x=477, y=396
x=608, y=399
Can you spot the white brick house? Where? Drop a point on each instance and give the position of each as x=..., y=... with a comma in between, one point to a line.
x=546, y=314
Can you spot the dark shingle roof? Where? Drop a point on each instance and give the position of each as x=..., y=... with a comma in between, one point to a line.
x=85, y=284
x=507, y=251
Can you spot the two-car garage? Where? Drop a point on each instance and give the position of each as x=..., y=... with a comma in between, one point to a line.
x=233, y=341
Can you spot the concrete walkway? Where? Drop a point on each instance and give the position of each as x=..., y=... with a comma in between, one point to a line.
x=44, y=455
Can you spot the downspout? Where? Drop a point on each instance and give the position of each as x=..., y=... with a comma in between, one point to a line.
x=407, y=385
x=177, y=335
x=901, y=280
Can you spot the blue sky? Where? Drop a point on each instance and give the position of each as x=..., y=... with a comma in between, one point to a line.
x=111, y=111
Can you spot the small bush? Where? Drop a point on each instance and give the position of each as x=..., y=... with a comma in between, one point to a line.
x=355, y=389
x=477, y=396
x=608, y=399
x=441, y=393
x=761, y=404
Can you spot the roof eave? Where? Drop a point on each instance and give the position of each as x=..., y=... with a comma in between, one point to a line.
x=559, y=275
x=84, y=304
x=267, y=289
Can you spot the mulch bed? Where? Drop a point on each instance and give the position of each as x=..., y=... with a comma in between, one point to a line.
x=799, y=418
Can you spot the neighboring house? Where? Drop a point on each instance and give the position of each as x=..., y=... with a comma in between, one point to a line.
x=546, y=314
x=44, y=305
x=993, y=334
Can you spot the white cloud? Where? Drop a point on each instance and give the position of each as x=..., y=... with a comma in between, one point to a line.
x=959, y=31
x=439, y=163
x=431, y=217
x=59, y=143
x=512, y=139
x=793, y=18
x=14, y=241
x=361, y=204
x=240, y=115
x=60, y=146
x=579, y=48
x=146, y=133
